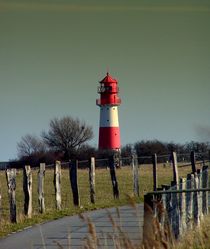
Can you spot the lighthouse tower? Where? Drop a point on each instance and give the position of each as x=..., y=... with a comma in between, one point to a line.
x=109, y=131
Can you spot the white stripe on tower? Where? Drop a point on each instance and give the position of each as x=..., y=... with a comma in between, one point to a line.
x=109, y=116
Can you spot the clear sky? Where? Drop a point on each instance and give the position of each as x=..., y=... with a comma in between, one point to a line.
x=54, y=52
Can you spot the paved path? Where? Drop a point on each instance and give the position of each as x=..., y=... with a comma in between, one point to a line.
x=54, y=233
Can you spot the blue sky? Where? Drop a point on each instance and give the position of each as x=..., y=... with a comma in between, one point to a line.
x=53, y=53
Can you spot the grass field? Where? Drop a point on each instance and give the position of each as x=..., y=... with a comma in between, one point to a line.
x=104, y=196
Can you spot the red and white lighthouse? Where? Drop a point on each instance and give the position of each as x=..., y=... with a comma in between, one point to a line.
x=109, y=130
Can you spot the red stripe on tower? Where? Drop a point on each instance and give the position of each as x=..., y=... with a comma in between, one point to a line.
x=109, y=131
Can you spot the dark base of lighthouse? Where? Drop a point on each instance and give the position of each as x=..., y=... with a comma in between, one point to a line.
x=109, y=138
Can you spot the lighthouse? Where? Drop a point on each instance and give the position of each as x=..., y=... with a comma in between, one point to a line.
x=109, y=130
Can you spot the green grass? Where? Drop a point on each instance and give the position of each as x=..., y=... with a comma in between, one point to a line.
x=104, y=196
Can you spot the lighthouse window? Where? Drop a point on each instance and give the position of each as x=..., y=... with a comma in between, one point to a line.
x=107, y=120
x=108, y=88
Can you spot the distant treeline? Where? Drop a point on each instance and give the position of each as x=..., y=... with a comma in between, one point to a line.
x=144, y=149
x=67, y=138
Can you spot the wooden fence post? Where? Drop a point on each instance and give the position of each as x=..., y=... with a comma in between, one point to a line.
x=189, y=201
x=175, y=211
x=196, y=201
x=57, y=184
x=135, y=167
x=41, y=175
x=165, y=207
x=175, y=169
x=159, y=207
x=200, y=193
x=74, y=182
x=113, y=177
x=155, y=235
x=168, y=204
x=205, y=184
x=148, y=227
x=175, y=214
x=92, y=179
x=193, y=162
x=27, y=189
x=11, y=183
x=182, y=205
x=155, y=181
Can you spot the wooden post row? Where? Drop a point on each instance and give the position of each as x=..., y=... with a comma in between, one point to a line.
x=11, y=183
x=27, y=189
x=41, y=175
x=92, y=179
x=113, y=177
x=155, y=181
x=57, y=184
x=135, y=167
x=73, y=165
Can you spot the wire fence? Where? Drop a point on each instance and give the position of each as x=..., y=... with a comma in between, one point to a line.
x=130, y=176
x=183, y=160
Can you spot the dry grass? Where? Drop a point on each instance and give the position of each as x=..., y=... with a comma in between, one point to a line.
x=156, y=237
x=198, y=238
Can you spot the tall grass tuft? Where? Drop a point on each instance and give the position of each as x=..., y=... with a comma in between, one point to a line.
x=198, y=238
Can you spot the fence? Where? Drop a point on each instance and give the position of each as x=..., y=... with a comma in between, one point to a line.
x=28, y=191
x=179, y=206
x=85, y=184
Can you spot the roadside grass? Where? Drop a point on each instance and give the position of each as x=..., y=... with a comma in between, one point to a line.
x=104, y=196
x=198, y=238
x=157, y=237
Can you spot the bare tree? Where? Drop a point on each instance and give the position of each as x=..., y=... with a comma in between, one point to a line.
x=30, y=144
x=67, y=134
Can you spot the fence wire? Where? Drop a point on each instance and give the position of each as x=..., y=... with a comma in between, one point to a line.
x=103, y=185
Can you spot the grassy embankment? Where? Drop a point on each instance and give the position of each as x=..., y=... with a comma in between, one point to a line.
x=104, y=197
